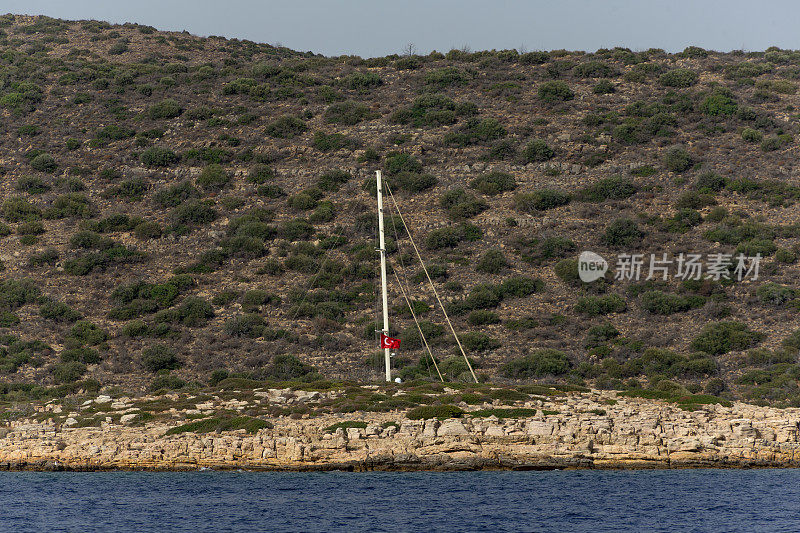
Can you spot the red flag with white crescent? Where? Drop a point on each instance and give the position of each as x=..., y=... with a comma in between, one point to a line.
x=389, y=342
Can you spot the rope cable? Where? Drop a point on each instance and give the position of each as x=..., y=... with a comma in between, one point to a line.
x=430, y=281
x=408, y=300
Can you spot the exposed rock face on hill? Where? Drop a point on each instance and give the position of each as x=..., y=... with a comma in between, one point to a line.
x=593, y=430
x=181, y=205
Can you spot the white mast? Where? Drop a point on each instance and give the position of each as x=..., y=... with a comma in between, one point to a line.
x=382, y=250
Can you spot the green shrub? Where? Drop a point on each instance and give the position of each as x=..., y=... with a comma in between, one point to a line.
x=538, y=363
x=541, y=200
x=431, y=110
x=785, y=256
x=599, y=335
x=397, y=162
x=555, y=91
x=331, y=142
x=48, y=256
x=475, y=341
x=611, y=188
x=719, y=103
x=482, y=317
x=622, y=232
x=567, y=271
x=680, y=77
x=193, y=213
x=28, y=130
x=348, y=113
x=286, y=127
x=445, y=77
x=87, y=356
x=774, y=294
x=594, y=69
x=409, y=336
x=31, y=227
x=554, y=247
x=136, y=328
x=682, y=221
x=722, y=337
x=247, y=325
x=175, y=195
x=662, y=303
x=32, y=185
x=414, y=182
x=461, y=204
x=604, y=87
x=168, y=108
x=537, y=150
x=58, y=311
x=710, y=181
x=502, y=150
x=147, y=230
x=166, y=381
x=8, y=319
x=213, y=178
x=491, y=262
x=752, y=247
x=426, y=412
x=534, y=58
x=68, y=372
x=305, y=200
x=260, y=174
x=295, y=230
x=85, y=332
x=157, y=156
x=287, y=367
x=792, y=342
x=193, y=312
x=775, y=142
x=70, y=205
x=601, y=305
x=480, y=297
x=494, y=183
x=475, y=131
x=332, y=179
x=452, y=236
x=694, y=52
x=658, y=362
x=44, y=163
x=644, y=171
x=519, y=287
x=362, y=80
x=160, y=357
x=113, y=132
x=16, y=293
x=131, y=190
x=17, y=209
x=752, y=135
x=677, y=159
x=695, y=200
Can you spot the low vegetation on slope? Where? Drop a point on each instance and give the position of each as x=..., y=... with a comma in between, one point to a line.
x=177, y=208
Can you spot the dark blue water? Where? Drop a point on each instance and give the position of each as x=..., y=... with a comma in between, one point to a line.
x=677, y=500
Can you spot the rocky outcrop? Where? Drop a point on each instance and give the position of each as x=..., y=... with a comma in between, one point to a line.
x=631, y=433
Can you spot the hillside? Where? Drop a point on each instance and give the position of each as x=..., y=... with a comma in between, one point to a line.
x=176, y=206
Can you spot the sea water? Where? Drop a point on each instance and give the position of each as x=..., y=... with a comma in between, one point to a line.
x=652, y=500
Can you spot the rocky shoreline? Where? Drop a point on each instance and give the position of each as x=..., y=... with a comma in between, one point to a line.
x=589, y=430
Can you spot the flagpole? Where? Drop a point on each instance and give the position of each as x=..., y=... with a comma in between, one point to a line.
x=382, y=250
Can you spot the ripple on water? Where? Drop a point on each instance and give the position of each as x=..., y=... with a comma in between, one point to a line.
x=660, y=500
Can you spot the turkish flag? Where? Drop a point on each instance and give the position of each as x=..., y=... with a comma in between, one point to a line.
x=389, y=342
